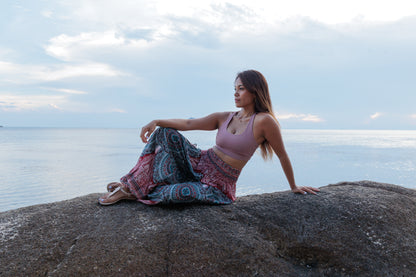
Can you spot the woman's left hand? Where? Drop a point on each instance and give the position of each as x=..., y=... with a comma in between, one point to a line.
x=305, y=190
x=147, y=130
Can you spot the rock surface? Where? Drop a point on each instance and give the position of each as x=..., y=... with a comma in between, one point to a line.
x=349, y=229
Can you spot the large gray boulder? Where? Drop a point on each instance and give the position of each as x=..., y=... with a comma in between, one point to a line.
x=348, y=229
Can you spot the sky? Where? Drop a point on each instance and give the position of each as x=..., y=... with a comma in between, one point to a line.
x=98, y=63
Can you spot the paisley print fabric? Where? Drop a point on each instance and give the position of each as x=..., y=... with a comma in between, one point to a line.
x=218, y=174
x=172, y=170
x=192, y=192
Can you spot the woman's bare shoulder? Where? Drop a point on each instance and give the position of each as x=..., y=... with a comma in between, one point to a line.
x=214, y=119
x=266, y=119
x=221, y=115
x=226, y=114
x=265, y=124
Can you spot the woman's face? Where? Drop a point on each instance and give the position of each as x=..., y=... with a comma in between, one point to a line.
x=242, y=96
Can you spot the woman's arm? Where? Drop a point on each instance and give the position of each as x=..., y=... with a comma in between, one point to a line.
x=210, y=122
x=271, y=132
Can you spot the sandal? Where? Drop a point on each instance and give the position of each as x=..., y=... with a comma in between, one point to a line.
x=112, y=186
x=124, y=195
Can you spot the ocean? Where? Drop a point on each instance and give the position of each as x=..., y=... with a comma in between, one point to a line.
x=42, y=165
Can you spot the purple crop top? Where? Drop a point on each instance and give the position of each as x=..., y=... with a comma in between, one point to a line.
x=240, y=147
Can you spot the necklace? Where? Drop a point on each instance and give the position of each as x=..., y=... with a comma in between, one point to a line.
x=241, y=118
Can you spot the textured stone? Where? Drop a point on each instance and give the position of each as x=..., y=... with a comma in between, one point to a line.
x=349, y=229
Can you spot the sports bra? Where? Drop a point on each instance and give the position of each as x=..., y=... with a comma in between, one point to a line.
x=241, y=146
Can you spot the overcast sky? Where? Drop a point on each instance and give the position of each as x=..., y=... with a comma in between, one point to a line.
x=329, y=64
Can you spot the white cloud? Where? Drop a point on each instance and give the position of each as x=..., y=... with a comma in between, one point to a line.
x=23, y=74
x=69, y=91
x=9, y=102
x=312, y=118
x=107, y=13
x=55, y=106
x=413, y=116
x=88, y=46
x=6, y=67
x=334, y=12
x=376, y=115
x=301, y=117
x=78, y=70
x=146, y=13
x=64, y=46
x=217, y=26
x=47, y=13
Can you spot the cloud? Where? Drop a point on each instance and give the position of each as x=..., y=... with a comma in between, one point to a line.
x=69, y=91
x=376, y=115
x=206, y=31
x=24, y=74
x=413, y=116
x=142, y=12
x=78, y=70
x=54, y=106
x=47, y=13
x=312, y=118
x=106, y=13
x=235, y=30
x=10, y=102
x=65, y=47
x=301, y=117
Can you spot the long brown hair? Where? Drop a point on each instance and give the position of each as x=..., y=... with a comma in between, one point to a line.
x=256, y=84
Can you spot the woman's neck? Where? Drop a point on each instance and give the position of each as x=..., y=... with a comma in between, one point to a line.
x=245, y=113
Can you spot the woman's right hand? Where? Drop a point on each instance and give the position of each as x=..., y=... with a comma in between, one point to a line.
x=147, y=130
x=305, y=190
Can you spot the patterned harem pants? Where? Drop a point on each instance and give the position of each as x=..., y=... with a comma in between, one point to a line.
x=172, y=170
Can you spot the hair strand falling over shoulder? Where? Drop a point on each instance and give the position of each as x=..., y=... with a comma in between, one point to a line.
x=255, y=83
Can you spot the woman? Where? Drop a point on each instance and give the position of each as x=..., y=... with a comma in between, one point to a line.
x=172, y=170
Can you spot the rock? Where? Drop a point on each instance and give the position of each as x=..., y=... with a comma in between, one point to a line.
x=349, y=229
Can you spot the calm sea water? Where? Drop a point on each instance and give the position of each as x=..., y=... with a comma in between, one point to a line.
x=41, y=165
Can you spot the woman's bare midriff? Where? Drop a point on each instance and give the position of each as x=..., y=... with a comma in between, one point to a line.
x=238, y=164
